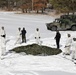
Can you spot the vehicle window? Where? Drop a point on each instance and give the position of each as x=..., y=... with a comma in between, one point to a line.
x=56, y=20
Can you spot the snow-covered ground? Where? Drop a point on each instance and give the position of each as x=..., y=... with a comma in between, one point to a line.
x=22, y=64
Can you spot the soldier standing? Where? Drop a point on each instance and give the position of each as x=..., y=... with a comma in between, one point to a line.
x=57, y=38
x=3, y=36
x=73, y=48
x=23, y=33
x=37, y=36
x=18, y=36
x=68, y=44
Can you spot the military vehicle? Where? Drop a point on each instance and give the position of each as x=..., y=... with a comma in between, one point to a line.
x=65, y=22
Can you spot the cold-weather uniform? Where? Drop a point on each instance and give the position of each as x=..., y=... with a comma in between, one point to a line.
x=0, y=47
x=3, y=45
x=73, y=48
x=18, y=41
x=37, y=37
x=68, y=45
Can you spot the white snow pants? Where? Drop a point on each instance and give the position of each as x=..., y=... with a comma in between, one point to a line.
x=73, y=53
x=3, y=47
x=18, y=40
x=38, y=41
x=67, y=50
x=0, y=50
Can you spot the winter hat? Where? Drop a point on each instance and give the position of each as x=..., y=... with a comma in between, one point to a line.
x=69, y=35
x=74, y=39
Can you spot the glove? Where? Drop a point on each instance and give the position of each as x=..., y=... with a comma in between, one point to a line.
x=3, y=36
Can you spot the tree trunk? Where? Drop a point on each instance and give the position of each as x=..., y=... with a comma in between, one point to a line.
x=26, y=10
x=37, y=11
x=42, y=11
x=23, y=10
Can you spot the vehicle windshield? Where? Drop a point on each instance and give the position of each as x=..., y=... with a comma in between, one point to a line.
x=57, y=20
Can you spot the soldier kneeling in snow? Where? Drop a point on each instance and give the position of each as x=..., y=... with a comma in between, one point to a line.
x=37, y=37
x=68, y=45
x=74, y=49
x=3, y=46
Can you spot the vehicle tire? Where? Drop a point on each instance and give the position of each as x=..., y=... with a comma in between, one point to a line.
x=73, y=28
x=53, y=28
x=48, y=28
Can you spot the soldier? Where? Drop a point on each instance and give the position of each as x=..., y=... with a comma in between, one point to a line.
x=0, y=48
x=18, y=36
x=68, y=44
x=23, y=33
x=37, y=36
x=57, y=37
x=3, y=36
x=73, y=49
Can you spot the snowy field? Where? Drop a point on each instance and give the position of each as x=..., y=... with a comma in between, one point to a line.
x=22, y=64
